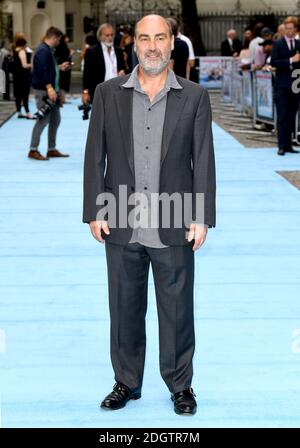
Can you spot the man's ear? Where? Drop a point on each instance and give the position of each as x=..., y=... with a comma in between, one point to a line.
x=172, y=42
x=134, y=44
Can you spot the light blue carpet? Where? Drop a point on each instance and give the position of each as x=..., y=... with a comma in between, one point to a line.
x=54, y=326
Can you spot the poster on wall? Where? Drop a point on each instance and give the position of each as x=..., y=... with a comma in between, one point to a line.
x=264, y=95
x=210, y=75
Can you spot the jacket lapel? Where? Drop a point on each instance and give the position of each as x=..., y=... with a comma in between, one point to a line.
x=175, y=102
x=124, y=100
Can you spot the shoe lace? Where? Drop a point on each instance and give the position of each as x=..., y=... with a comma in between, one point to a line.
x=189, y=389
x=119, y=391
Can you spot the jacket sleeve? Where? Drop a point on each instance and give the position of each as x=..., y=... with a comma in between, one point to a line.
x=120, y=60
x=42, y=62
x=94, y=160
x=277, y=60
x=203, y=159
x=87, y=69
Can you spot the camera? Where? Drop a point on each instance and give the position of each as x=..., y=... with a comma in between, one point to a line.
x=46, y=107
x=85, y=107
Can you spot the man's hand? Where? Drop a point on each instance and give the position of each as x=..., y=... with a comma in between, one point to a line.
x=86, y=98
x=121, y=73
x=65, y=66
x=197, y=232
x=96, y=227
x=296, y=58
x=52, y=94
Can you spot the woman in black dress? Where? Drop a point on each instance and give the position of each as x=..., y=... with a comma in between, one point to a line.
x=22, y=76
x=64, y=54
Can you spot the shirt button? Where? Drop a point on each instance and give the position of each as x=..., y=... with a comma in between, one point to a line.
x=147, y=147
x=145, y=188
x=148, y=128
x=149, y=108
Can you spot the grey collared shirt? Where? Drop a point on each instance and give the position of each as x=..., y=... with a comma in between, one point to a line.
x=148, y=121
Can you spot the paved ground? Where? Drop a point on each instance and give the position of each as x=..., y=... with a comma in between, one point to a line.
x=54, y=327
x=7, y=110
x=241, y=128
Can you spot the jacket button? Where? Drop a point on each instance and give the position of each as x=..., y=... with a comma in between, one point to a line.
x=132, y=188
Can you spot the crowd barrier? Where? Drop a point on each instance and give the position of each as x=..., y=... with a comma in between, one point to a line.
x=251, y=92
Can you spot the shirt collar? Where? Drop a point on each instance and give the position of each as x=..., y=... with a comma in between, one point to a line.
x=133, y=81
x=105, y=48
x=289, y=39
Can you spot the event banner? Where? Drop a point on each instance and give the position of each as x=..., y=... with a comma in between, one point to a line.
x=264, y=95
x=210, y=75
x=227, y=79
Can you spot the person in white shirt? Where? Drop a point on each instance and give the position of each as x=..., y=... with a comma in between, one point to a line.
x=102, y=62
x=191, y=61
x=261, y=33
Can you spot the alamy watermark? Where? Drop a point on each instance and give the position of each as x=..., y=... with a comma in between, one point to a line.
x=296, y=83
x=176, y=210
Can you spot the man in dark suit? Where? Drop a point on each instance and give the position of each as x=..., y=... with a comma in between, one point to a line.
x=101, y=62
x=286, y=58
x=231, y=46
x=150, y=134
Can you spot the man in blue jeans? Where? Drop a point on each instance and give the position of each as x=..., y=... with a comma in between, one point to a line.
x=45, y=81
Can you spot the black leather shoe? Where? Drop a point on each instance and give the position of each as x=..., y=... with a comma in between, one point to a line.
x=292, y=150
x=119, y=396
x=184, y=402
x=281, y=152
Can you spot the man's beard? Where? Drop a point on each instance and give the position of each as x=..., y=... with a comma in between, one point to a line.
x=108, y=44
x=149, y=67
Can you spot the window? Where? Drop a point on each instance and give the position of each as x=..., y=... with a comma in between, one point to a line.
x=70, y=26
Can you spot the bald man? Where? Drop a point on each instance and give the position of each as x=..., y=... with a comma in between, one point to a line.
x=231, y=46
x=150, y=133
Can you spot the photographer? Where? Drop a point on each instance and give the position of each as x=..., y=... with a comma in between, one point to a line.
x=45, y=81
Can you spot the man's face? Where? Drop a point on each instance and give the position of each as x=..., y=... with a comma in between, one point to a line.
x=290, y=30
x=55, y=40
x=153, y=44
x=107, y=36
x=232, y=35
x=248, y=35
x=268, y=36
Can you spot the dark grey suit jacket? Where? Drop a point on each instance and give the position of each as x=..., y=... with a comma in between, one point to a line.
x=187, y=153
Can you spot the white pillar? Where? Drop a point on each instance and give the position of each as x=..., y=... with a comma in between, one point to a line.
x=17, y=10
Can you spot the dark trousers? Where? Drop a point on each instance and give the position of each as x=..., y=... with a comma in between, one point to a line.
x=22, y=97
x=287, y=105
x=173, y=272
x=52, y=119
